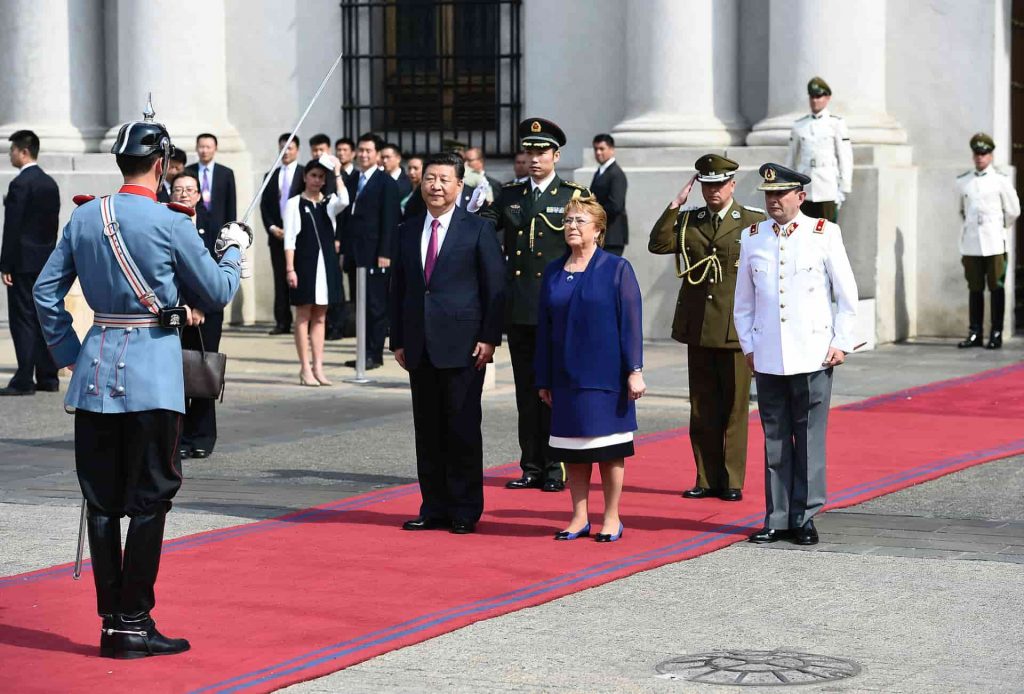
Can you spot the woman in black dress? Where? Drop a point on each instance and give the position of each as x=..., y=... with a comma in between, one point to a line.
x=314, y=276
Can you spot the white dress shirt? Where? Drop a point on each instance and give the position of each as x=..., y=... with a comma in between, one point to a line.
x=290, y=168
x=442, y=232
x=604, y=167
x=199, y=175
x=543, y=185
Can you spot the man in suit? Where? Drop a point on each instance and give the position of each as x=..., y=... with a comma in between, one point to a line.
x=366, y=240
x=520, y=167
x=175, y=166
x=31, y=207
x=216, y=182
x=285, y=182
x=319, y=145
x=447, y=300
x=475, y=166
x=391, y=160
x=528, y=217
x=345, y=151
x=609, y=187
x=707, y=237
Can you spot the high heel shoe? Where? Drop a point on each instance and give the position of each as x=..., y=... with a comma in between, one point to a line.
x=303, y=382
x=566, y=535
x=604, y=537
x=322, y=381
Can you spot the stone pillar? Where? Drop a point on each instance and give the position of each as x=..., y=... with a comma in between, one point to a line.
x=51, y=73
x=842, y=42
x=177, y=52
x=682, y=74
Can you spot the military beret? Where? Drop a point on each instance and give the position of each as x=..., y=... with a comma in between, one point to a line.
x=712, y=168
x=778, y=177
x=818, y=87
x=538, y=132
x=982, y=143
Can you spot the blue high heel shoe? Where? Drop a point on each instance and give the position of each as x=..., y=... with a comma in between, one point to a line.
x=603, y=537
x=566, y=535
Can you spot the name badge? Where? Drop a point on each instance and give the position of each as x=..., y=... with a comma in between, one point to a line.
x=555, y=210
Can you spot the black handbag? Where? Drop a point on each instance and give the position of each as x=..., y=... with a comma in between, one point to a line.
x=203, y=371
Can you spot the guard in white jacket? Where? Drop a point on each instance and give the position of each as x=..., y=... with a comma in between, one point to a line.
x=988, y=207
x=819, y=147
x=791, y=268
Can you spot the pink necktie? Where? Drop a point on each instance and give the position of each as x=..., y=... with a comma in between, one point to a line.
x=206, y=187
x=428, y=266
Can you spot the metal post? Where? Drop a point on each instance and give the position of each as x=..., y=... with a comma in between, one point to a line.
x=81, y=545
x=360, y=329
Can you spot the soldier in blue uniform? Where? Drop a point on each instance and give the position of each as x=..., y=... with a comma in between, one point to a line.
x=127, y=389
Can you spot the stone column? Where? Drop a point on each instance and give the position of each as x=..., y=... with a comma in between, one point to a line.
x=682, y=74
x=177, y=52
x=51, y=73
x=842, y=42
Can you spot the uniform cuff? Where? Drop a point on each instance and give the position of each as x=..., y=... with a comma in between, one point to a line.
x=66, y=351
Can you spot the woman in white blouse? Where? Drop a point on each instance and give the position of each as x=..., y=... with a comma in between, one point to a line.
x=314, y=275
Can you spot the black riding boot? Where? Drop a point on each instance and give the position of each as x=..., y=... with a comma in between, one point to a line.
x=995, y=340
x=136, y=636
x=142, y=548
x=976, y=308
x=105, y=552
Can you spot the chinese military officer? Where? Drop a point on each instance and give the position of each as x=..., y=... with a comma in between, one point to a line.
x=707, y=239
x=819, y=148
x=791, y=267
x=528, y=217
x=988, y=207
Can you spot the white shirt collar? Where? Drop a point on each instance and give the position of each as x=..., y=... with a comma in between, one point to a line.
x=206, y=166
x=543, y=185
x=604, y=167
x=348, y=168
x=27, y=166
x=368, y=173
x=823, y=113
x=396, y=173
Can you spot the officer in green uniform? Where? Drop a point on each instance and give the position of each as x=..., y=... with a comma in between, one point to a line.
x=528, y=217
x=706, y=242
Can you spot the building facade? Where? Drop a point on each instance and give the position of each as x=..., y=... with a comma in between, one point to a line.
x=671, y=79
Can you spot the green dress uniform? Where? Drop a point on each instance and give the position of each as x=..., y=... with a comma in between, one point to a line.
x=707, y=249
x=529, y=225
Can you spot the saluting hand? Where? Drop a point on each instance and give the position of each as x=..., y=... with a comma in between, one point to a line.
x=680, y=199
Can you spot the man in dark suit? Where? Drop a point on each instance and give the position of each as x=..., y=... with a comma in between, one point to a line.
x=446, y=319
x=609, y=187
x=216, y=182
x=31, y=208
x=175, y=165
x=391, y=160
x=366, y=239
x=475, y=163
x=285, y=182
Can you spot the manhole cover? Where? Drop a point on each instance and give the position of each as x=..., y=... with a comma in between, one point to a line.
x=758, y=668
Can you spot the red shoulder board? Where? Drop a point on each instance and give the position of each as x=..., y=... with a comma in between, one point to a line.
x=819, y=228
x=178, y=207
x=753, y=229
x=82, y=199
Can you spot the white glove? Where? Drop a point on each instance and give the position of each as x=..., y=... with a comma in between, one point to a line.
x=840, y=199
x=488, y=191
x=235, y=234
x=477, y=201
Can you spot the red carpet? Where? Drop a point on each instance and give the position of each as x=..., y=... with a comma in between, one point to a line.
x=280, y=601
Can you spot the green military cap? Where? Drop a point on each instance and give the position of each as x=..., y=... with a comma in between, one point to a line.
x=712, y=168
x=982, y=143
x=818, y=87
x=538, y=132
x=451, y=145
x=777, y=177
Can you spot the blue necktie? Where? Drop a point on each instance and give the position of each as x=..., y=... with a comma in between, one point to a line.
x=361, y=184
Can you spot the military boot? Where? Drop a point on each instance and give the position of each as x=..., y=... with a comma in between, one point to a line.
x=105, y=553
x=136, y=636
x=995, y=340
x=976, y=308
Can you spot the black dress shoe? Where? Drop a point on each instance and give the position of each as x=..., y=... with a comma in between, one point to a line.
x=731, y=495
x=199, y=453
x=185, y=453
x=974, y=339
x=16, y=391
x=462, y=527
x=137, y=637
x=766, y=535
x=553, y=486
x=55, y=387
x=995, y=340
x=700, y=493
x=525, y=482
x=279, y=330
x=421, y=523
x=372, y=364
x=806, y=534
x=333, y=335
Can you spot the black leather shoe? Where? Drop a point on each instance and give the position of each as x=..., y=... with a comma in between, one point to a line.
x=15, y=391
x=137, y=637
x=553, y=486
x=766, y=535
x=973, y=340
x=279, y=330
x=700, y=493
x=806, y=534
x=525, y=482
x=186, y=453
x=421, y=523
x=995, y=340
x=55, y=387
x=731, y=495
x=462, y=527
x=370, y=364
x=333, y=335
x=199, y=453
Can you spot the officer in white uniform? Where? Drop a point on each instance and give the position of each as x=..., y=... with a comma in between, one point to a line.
x=819, y=147
x=791, y=267
x=988, y=207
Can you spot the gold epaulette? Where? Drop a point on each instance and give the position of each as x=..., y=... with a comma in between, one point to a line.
x=578, y=190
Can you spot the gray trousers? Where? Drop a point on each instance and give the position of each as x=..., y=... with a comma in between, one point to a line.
x=794, y=415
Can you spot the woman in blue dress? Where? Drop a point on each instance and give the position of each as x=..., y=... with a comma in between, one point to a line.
x=589, y=364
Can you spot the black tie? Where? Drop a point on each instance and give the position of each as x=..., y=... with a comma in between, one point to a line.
x=716, y=222
x=536, y=193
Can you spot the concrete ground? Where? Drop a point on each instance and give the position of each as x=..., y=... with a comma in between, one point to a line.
x=923, y=588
